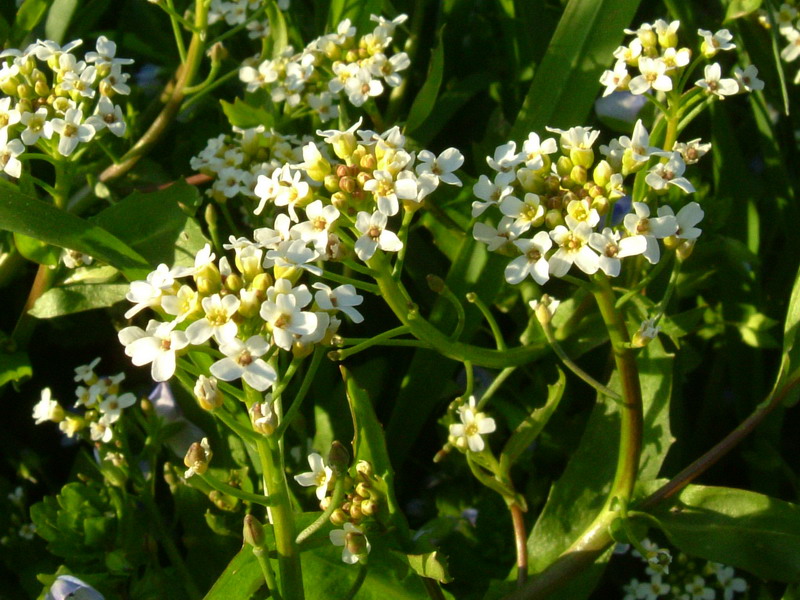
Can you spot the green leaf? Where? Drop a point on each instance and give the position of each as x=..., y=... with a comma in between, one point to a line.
x=240, y=580
x=241, y=114
x=14, y=367
x=791, y=351
x=76, y=298
x=29, y=14
x=358, y=11
x=37, y=251
x=156, y=224
x=736, y=527
x=576, y=498
x=741, y=8
x=58, y=19
x=530, y=428
x=432, y=565
x=28, y=216
x=278, y=32
x=426, y=98
x=567, y=80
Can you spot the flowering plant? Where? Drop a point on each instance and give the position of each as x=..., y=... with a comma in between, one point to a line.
x=454, y=324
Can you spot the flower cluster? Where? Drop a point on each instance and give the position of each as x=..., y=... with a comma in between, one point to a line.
x=788, y=25
x=16, y=513
x=558, y=211
x=99, y=398
x=55, y=101
x=682, y=578
x=249, y=309
x=241, y=12
x=361, y=501
x=657, y=63
x=236, y=162
x=355, y=173
x=333, y=64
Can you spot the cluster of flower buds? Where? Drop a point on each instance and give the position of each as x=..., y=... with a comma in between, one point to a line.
x=250, y=309
x=98, y=397
x=657, y=63
x=240, y=12
x=236, y=162
x=55, y=101
x=788, y=23
x=559, y=211
x=332, y=65
x=356, y=179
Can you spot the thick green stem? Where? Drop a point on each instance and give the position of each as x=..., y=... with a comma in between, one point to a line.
x=596, y=537
x=395, y=297
x=280, y=512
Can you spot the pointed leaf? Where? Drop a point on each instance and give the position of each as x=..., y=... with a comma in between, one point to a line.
x=426, y=98
x=71, y=299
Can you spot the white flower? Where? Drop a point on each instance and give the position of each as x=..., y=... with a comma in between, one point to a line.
x=360, y=87
x=295, y=254
x=388, y=67
x=579, y=138
x=47, y=409
x=653, y=589
x=9, y=151
x=748, y=78
x=640, y=223
x=442, y=166
x=544, y=308
x=715, y=42
x=697, y=589
x=350, y=537
x=653, y=75
x=687, y=217
x=343, y=298
x=490, y=193
x=669, y=173
x=107, y=115
x=112, y=406
x=532, y=262
x=36, y=126
x=374, y=235
x=729, y=583
x=533, y=149
x=616, y=79
x=473, y=425
x=218, y=320
x=792, y=50
x=504, y=160
x=157, y=345
x=691, y=151
x=638, y=144
x=495, y=237
x=316, y=228
x=85, y=373
x=527, y=214
x=323, y=105
x=68, y=587
x=611, y=249
x=71, y=130
x=242, y=361
x=387, y=191
x=106, y=53
x=714, y=84
x=573, y=248
x=286, y=318
x=320, y=475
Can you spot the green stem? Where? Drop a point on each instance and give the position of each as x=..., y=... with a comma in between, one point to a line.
x=487, y=314
x=357, y=283
x=224, y=488
x=174, y=19
x=362, y=575
x=342, y=354
x=403, y=235
x=336, y=500
x=184, y=77
x=280, y=513
x=494, y=386
x=395, y=297
x=269, y=574
x=301, y=394
x=595, y=538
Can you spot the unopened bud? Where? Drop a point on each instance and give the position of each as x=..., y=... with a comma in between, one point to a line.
x=41, y=88
x=647, y=332
x=344, y=145
x=544, y=308
x=578, y=174
x=368, y=162
x=553, y=218
x=234, y=283
x=207, y=393
x=338, y=458
x=564, y=166
x=338, y=517
x=331, y=182
x=264, y=418
x=262, y=282
x=602, y=173
x=582, y=156
x=369, y=507
x=197, y=458
x=363, y=489
x=253, y=531
x=685, y=250
x=218, y=53
x=436, y=283
x=364, y=468
x=356, y=543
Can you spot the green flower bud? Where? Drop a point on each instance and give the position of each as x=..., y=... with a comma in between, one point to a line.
x=578, y=174
x=253, y=531
x=338, y=458
x=582, y=156
x=564, y=166
x=602, y=173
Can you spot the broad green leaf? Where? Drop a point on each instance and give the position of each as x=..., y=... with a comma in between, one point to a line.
x=240, y=580
x=29, y=14
x=58, y=19
x=576, y=498
x=241, y=114
x=14, y=367
x=425, y=101
x=736, y=527
x=70, y=299
x=527, y=431
x=741, y=8
x=5, y=29
x=156, y=225
x=358, y=11
x=37, y=251
x=28, y=216
x=432, y=565
x=567, y=80
x=791, y=351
